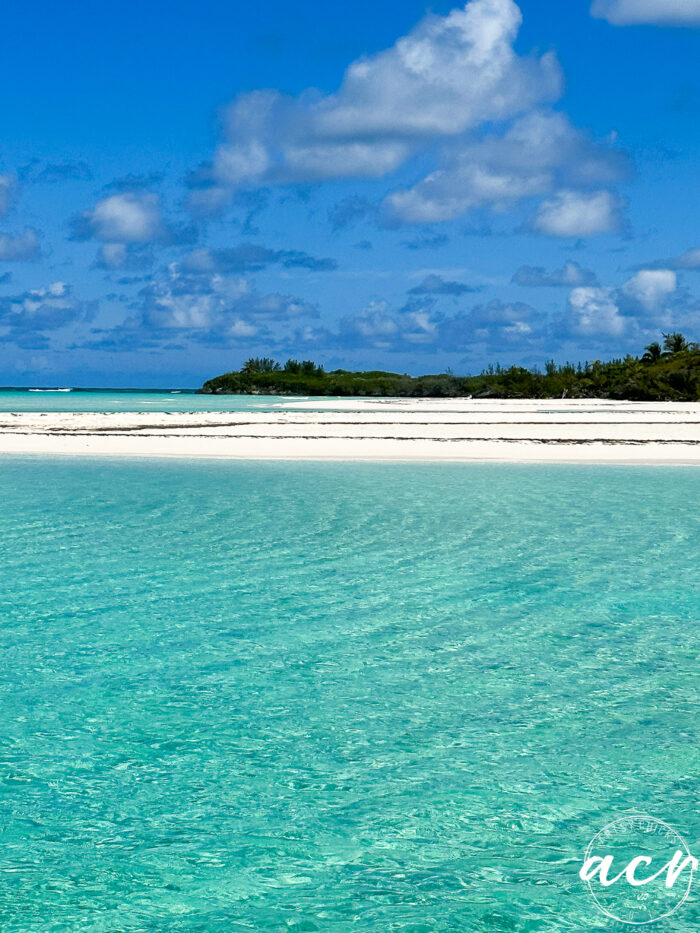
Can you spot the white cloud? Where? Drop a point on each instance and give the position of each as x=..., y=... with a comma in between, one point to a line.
x=216, y=307
x=453, y=91
x=24, y=247
x=496, y=324
x=641, y=302
x=650, y=287
x=374, y=325
x=578, y=214
x=191, y=302
x=43, y=309
x=655, y=12
x=126, y=223
x=447, y=76
x=492, y=326
x=421, y=326
x=430, y=92
x=319, y=162
x=242, y=329
x=594, y=311
x=377, y=326
x=539, y=153
x=123, y=218
x=7, y=193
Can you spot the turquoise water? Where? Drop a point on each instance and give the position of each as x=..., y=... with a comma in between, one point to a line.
x=329, y=697
x=114, y=401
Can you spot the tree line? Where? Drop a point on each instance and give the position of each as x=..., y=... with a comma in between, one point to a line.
x=667, y=371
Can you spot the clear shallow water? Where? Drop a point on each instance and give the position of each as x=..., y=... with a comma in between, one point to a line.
x=381, y=697
x=112, y=401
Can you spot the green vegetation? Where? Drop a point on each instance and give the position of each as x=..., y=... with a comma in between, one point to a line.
x=664, y=373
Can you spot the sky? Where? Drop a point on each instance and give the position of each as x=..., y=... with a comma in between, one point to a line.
x=370, y=186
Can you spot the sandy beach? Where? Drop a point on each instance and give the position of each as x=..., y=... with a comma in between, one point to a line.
x=372, y=429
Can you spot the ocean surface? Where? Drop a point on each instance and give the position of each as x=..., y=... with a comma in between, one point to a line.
x=338, y=697
x=106, y=400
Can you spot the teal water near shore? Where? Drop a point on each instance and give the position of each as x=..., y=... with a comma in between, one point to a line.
x=338, y=697
x=59, y=401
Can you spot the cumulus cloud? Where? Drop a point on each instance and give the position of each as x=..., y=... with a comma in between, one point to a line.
x=212, y=307
x=122, y=218
x=129, y=219
x=378, y=327
x=22, y=247
x=447, y=76
x=595, y=312
x=644, y=302
x=8, y=187
x=436, y=285
x=571, y=275
x=579, y=214
x=539, y=153
x=445, y=79
x=31, y=314
x=453, y=92
x=655, y=12
x=494, y=325
x=373, y=325
x=489, y=326
x=624, y=315
x=650, y=287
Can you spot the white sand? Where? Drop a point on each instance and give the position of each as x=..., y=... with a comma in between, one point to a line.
x=371, y=429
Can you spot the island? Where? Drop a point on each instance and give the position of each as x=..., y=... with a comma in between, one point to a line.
x=666, y=372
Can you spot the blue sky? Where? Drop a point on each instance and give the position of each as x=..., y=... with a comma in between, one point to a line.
x=370, y=185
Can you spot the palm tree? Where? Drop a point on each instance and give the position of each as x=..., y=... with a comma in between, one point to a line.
x=653, y=352
x=674, y=343
x=261, y=364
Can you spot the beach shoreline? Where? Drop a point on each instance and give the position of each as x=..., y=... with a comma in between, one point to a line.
x=454, y=430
